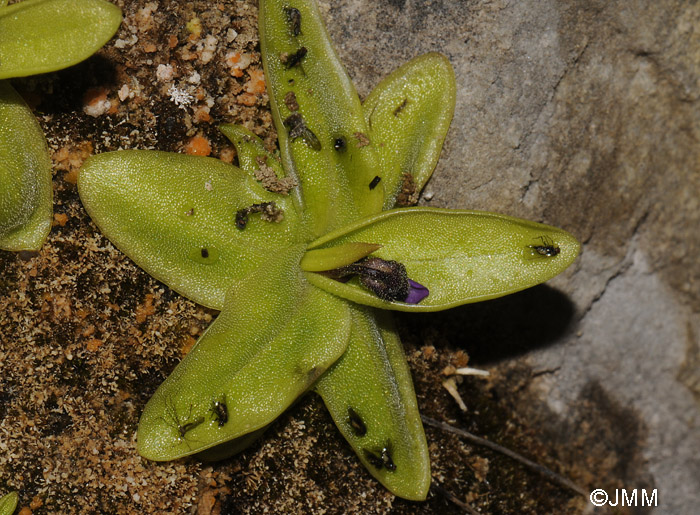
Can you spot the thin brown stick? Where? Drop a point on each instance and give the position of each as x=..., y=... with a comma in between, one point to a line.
x=452, y=498
x=550, y=474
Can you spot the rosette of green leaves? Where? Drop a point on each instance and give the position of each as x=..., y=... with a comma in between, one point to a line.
x=38, y=36
x=287, y=324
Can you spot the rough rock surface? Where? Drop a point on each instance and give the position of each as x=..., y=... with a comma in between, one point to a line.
x=580, y=113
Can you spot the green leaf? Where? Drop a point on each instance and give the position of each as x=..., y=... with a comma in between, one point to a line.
x=274, y=338
x=370, y=396
x=336, y=167
x=39, y=36
x=321, y=260
x=250, y=148
x=8, y=503
x=460, y=256
x=175, y=216
x=408, y=115
x=26, y=193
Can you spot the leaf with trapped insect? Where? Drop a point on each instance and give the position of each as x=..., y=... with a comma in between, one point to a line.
x=304, y=254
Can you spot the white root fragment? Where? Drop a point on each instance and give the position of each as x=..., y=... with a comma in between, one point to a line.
x=450, y=384
x=468, y=371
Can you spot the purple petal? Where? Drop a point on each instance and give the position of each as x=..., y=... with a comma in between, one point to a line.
x=416, y=293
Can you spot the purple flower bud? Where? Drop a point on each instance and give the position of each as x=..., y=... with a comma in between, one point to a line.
x=416, y=293
x=388, y=280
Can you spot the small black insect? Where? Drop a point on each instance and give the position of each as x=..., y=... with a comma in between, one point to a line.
x=220, y=410
x=339, y=144
x=356, y=422
x=373, y=458
x=374, y=182
x=294, y=20
x=548, y=247
x=204, y=253
x=189, y=426
x=381, y=459
x=400, y=107
x=183, y=424
x=386, y=459
x=292, y=60
x=297, y=129
x=242, y=218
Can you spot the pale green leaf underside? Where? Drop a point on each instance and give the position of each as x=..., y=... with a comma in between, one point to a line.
x=275, y=337
x=408, y=115
x=460, y=256
x=8, y=503
x=39, y=36
x=373, y=379
x=26, y=193
x=335, y=183
x=174, y=215
x=232, y=447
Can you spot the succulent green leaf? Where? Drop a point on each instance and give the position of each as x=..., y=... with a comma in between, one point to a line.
x=408, y=115
x=276, y=336
x=336, y=163
x=250, y=149
x=26, y=193
x=460, y=256
x=175, y=216
x=39, y=36
x=8, y=503
x=370, y=396
x=320, y=260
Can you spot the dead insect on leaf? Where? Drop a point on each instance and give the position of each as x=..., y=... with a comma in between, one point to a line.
x=400, y=107
x=339, y=144
x=220, y=411
x=547, y=249
x=292, y=60
x=297, y=129
x=182, y=426
x=356, y=423
x=294, y=20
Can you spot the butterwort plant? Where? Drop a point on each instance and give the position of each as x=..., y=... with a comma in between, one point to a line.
x=305, y=254
x=38, y=36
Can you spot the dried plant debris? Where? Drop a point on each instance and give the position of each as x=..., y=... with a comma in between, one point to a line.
x=269, y=180
x=269, y=212
x=290, y=100
x=362, y=139
x=408, y=196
